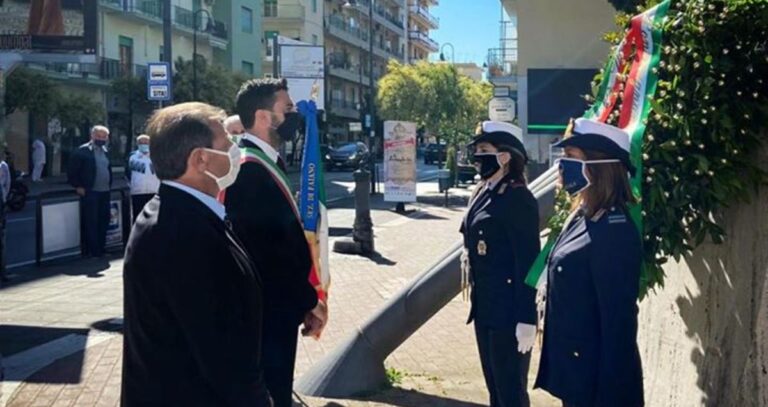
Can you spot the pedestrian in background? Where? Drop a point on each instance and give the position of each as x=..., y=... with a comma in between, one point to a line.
x=234, y=126
x=265, y=217
x=501, y=242
x=590, y=355
x=192, y=295
x=141, y=176
x=5, y=189
x=39, y=159
x=90, y=173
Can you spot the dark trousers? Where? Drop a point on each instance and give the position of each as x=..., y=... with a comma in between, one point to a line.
x=2, y=239
x=138, y=202
x=95, y=221
x=278, y=357
x=505, y=369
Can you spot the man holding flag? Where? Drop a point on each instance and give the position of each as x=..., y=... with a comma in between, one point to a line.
x=265, y=216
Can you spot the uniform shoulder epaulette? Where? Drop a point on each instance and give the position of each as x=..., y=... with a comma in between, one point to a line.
x=510, y=184
x=611, y=216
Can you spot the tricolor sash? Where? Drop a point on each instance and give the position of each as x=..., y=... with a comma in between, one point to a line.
x=254, y=155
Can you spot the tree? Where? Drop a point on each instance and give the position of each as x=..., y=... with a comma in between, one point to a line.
x=30, y=91
x=436, y=97
x=216, y=85
x=74, y=110
x=133, y=90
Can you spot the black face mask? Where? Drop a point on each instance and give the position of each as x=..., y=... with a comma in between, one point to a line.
x=489, y=164
x=287, y=130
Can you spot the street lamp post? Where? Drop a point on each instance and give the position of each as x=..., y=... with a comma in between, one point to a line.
x=194, y=46
x=453, y=53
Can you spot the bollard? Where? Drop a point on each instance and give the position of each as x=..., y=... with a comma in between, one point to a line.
x=362, y=230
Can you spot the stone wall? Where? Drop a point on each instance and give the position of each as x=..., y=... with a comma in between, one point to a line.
x=704, y=336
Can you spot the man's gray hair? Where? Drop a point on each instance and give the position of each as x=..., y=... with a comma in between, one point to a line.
x=230, y=121
x=101, y=128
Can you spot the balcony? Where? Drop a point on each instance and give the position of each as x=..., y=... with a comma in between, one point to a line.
x=387, y=51
x=338, y=27
x=103, y=70
x=392, y=22
x=183, y=18
x=340, y=67
x=344, y=108
x=423, y=15
x=273, y=12
x=421, y=39
x=502, y=62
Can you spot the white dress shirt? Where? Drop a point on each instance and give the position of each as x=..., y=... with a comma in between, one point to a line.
x=206, y=199
x=263, y=145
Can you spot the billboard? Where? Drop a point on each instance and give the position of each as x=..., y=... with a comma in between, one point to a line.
x=303, y=65
x=48, y=25
x=399, y=161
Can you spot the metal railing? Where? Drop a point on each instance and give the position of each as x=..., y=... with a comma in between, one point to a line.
x=502, y=62
x=420, y=36
x=273, y=10
x=340, y=23
x=103, y=69
x=181, y=17
x=424, y=13
x=383, y=12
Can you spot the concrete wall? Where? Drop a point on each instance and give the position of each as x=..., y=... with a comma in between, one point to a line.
x=704, y=336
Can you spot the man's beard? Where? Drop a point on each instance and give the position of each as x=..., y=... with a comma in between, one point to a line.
x=274, y=138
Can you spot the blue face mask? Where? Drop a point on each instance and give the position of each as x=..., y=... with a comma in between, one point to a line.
x=144, y=148
x=574, y=174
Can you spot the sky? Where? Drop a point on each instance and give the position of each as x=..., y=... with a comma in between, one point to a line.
x=472, y=26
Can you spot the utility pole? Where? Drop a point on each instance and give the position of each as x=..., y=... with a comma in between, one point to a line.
x=167, y=41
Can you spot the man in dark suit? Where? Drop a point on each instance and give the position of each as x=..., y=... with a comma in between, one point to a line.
x=264, y=216
x=193, y=297
x=90, y=173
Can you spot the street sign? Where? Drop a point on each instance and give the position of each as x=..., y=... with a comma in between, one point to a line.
x=159, y=81
x=367, y=121
x=501, y=92
x=356, y=126
x=501, y=109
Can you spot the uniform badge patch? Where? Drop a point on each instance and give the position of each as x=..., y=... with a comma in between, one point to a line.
x=482, y=248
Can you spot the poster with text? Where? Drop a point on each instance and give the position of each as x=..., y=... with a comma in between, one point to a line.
x=399, y=161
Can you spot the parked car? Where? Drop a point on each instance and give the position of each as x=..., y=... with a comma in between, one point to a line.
x=435, y=153
x=348, y=156
x=465, y=168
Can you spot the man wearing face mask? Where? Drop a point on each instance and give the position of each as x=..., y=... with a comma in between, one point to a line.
x=265, y=217
x=90, y=173
x=192, y=295
x=141, y=176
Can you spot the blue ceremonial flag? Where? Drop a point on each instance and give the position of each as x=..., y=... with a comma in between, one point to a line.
x=314, y=213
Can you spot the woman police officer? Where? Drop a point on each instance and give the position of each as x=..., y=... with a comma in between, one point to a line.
x=590, y=355
x=501, y=239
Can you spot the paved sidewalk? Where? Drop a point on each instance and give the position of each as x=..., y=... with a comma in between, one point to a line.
x=76, y=305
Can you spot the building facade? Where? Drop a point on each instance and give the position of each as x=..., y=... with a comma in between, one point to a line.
x=420, y=23
x=301, y=20
x=552, y=64
x=348, y=30
x=130, y=36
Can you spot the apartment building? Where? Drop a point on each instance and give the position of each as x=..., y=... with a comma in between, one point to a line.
x=301, y=20
x=420, y=22
x=349, y=28
x=130, y=36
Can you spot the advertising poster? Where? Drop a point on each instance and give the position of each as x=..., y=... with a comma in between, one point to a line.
x=115, y=226
x=399, y=161
x=48, y=25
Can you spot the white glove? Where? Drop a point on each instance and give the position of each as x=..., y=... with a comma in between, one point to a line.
x=526, y=336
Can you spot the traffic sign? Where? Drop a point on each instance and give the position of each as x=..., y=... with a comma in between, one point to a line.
x=159, y=81
x=501, y=109
x=355, y=126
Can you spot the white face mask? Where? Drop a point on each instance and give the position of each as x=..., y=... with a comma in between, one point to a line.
x=234, y=167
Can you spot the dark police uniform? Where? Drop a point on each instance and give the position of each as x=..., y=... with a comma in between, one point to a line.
x=590, y=355
x=502, y=237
